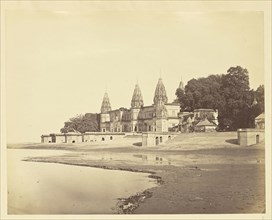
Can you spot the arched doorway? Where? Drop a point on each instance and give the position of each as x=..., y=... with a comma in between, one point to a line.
x=160, y=138
x=103, y=138
x=110, y=137
x=257, y=139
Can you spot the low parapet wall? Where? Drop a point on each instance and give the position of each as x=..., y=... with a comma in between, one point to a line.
x=101, y=136
x=79, y=138
x=250, y=136
x=151, y=139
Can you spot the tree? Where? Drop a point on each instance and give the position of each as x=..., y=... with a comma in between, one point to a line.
x=82, y=123
x=235, y=90
x=181, y=98
x=259, y=95
x=201, y=93
x=229, y=93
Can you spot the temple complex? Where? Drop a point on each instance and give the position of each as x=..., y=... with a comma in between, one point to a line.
x=161, y=116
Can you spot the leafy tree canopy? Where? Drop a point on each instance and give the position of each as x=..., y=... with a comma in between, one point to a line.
x=82, y=123
x=229, y=93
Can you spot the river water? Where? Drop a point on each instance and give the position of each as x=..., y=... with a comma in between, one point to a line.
x=47, y=188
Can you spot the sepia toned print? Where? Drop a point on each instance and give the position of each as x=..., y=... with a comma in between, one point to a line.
x=134, y=108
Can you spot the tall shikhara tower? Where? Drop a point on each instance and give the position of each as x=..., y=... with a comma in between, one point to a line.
x=160, y=96
x=136, y=105
x=160, y=99
x=137, y=98
x=105, y=116
x=106, y=106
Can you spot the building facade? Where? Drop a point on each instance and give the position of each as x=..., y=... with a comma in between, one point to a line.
x=260, y=121
x=200, y=120
x=161, y=116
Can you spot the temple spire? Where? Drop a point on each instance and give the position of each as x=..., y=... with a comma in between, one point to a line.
x=181, y=84
x=137, y=99
x=160, y=96
x=106, y=106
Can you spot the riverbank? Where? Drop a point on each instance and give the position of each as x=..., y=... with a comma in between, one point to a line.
x=74, y=189
x=211, y=176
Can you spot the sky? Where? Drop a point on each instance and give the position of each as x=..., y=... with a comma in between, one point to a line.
x=59, y=63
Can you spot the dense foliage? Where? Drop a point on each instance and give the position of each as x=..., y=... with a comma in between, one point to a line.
x=82, y=123
x=229, y=93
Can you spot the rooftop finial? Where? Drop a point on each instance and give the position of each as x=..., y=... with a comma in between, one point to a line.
x=160, y=73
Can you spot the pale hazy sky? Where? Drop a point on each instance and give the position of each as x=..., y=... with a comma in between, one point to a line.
x=58, y=63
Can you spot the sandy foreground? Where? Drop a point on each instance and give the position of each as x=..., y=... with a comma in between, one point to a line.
x=196, y=173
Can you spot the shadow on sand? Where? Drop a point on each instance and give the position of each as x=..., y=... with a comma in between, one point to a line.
x=139, y=144
x=232, y=141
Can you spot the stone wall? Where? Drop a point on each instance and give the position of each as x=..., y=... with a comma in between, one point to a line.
x=74, y=138
x=58, y=138
x=101, y=136
x=79, y=138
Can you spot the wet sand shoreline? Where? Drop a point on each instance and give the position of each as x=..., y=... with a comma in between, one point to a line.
x=243, y=194
x=124, y=205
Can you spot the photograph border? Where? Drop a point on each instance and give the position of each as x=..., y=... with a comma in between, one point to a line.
x=184, y=6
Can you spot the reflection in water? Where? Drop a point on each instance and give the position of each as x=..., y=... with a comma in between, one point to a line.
x=153, y=159
x=143, y=159
x=141, y=156
x=44, y=188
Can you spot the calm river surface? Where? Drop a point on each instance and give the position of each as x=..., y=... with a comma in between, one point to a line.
x=44, y=188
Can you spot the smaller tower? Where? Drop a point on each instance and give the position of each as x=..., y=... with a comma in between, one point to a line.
x=136, y=105
x=180, y=89
x=106, y=106
x=181, y=86
x=160, y=99
x=105, y=116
